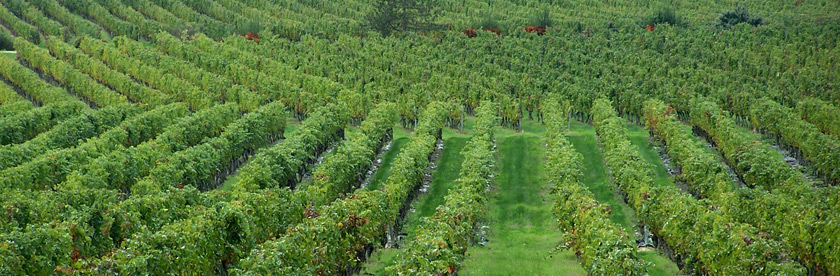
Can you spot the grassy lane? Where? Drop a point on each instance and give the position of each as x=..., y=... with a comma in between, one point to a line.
x=399, y=140
x=292, y=124
x=639, y=137
x=595, y=178
x=449, y=166
x=522, y=229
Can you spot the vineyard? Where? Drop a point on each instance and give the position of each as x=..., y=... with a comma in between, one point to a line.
x=438, y=137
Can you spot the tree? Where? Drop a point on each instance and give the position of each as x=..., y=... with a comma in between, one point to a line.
x=391, y=16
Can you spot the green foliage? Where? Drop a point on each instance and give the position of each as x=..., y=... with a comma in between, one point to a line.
x=28, y=81
x=175, y=88
x=738, y=15
x=250, y=26
x=76, y=80
x=26, y=125
x=602, y=246
x=820, y=113
x=488, y=21
x=703, y=173
x=396, y=16
x=185, y=31
x=120, y=169
x=662, y=16
x=820, y=149
x=442, y=240
x=120, y=82
x=282, y=165
x=675, y=216
x=67, y=133
x=6, y=43
x=333, y=235
x=542, y=19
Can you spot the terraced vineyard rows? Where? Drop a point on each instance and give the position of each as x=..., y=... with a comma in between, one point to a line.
x=254, y=137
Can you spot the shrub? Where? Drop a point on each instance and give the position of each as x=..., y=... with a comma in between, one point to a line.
x=739, y=15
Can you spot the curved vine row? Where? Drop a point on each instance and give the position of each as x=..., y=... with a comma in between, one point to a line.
x=11, y=103
x=219, y=247
x=67, y=133
x=28, y=124
x=120, y=82
x=51, y=168
x=820, y=113
x=36, y=89
x=229, y=92
x=329, y=240
x=200, y=165
x=18, y=26
x=173, y=86
x=71, y=77
x=442, y=241
x=122, y=168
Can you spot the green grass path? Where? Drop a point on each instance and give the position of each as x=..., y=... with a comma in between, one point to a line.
x=523, y=231
x=595, y=178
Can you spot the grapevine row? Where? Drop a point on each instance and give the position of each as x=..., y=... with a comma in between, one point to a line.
x=705, y=176
x=110, y=22
x=283, y=165
x=216, y=245
x=118, y=170
x=75, y=22
x=11, y=103
x=820, y=149
x=28, y=124
x=146, y=27
x=441, y=244
x=820, y=113
x=757, y=163
x=313, y=89
x=66, y=133
x=54, y=244
x=227, y=90
x=265, y=85
x=71, y=77
x=48, y=169
x=190, y=169
x=212, y=27
x=118, y=218
x=173, y=86
x=202, y=165
x=155, y=12
x=698, y=234
x=18, y=26
x=120, y=82
x=809, y=210
x=602, y=246
x=36, y=17
x=30, y=83
x=329, y=240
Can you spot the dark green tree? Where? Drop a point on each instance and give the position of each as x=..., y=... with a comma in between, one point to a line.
x=390, y=16
x=739, y=15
